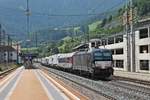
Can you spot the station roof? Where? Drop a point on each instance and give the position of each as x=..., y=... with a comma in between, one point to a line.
x=94, y=40
x=81, y=46
x=6, y=48
x=143, y=23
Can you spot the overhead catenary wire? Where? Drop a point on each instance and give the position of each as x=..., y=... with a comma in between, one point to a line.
x=35, y=13
x=70, y=15
x=109, y=10
x=95, y=7
x=87, y=14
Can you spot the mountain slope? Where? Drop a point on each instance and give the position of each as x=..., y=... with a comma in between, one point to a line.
x=12, y=14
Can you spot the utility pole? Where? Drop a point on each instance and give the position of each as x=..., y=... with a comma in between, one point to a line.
x=127, y=37
x=8, y=50
x=1, y=57
x=28, y=17
x=17, y=53
x=28, y=23
x=88, y=36
x=36, y=39
x=4, y=37
x=0, y=34
x=8, y=40
x=132, y=36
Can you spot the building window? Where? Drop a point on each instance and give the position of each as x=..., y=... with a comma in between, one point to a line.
x=113, y=51
x=4, y=54
x=111, y=40
x=119, y=51
x=144, y=64
x=104, y=42
x=119, y=39
x=11, y=54
x=98, y=43
x=144, y=49
x=143, y=33
x=119, y=64
x=93, y=44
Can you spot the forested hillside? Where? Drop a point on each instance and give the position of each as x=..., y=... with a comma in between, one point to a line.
x=143, y=7
x=97, y=28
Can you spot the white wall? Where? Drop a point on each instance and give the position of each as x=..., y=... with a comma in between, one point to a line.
x=119, y=57
x=141, y=56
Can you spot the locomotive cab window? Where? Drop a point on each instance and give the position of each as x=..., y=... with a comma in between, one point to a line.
x=107, y=55
x=98, y=56
x=103, y=56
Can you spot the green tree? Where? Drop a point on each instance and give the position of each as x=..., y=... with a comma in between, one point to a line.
x=84, y=28
x=143, y=6
x=110, y=18
x=104, y=22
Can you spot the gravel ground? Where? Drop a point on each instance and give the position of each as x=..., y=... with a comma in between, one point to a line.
x=111, y=89
x=88, y=93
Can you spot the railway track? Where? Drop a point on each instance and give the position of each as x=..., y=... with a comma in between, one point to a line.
x=114, y=90
x=71, y=79
x=132, y=87
x=4, y=73
x=132, y=80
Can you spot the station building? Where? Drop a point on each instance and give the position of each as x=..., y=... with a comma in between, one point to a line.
x=9, y=54
x=9, y=51
x=118, y=45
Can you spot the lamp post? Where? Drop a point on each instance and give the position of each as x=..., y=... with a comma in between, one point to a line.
x=28, y=14
x=28, y=43
x=17, y=53
x=17, y=44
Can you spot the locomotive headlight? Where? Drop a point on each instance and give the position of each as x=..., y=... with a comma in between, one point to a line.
x=97, y=63
x=100, y=65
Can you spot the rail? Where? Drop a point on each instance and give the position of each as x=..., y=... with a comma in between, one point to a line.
x=62, y=74
x=116, y=89
x=144, y=82
x=6, y=71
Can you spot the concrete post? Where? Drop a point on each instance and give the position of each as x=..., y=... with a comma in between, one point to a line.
x=149, y=32
x=132, y=37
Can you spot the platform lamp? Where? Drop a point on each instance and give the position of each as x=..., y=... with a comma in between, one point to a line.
x=17, y=44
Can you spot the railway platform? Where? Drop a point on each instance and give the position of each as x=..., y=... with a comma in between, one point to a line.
x=133, y=75
x=33, y=84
